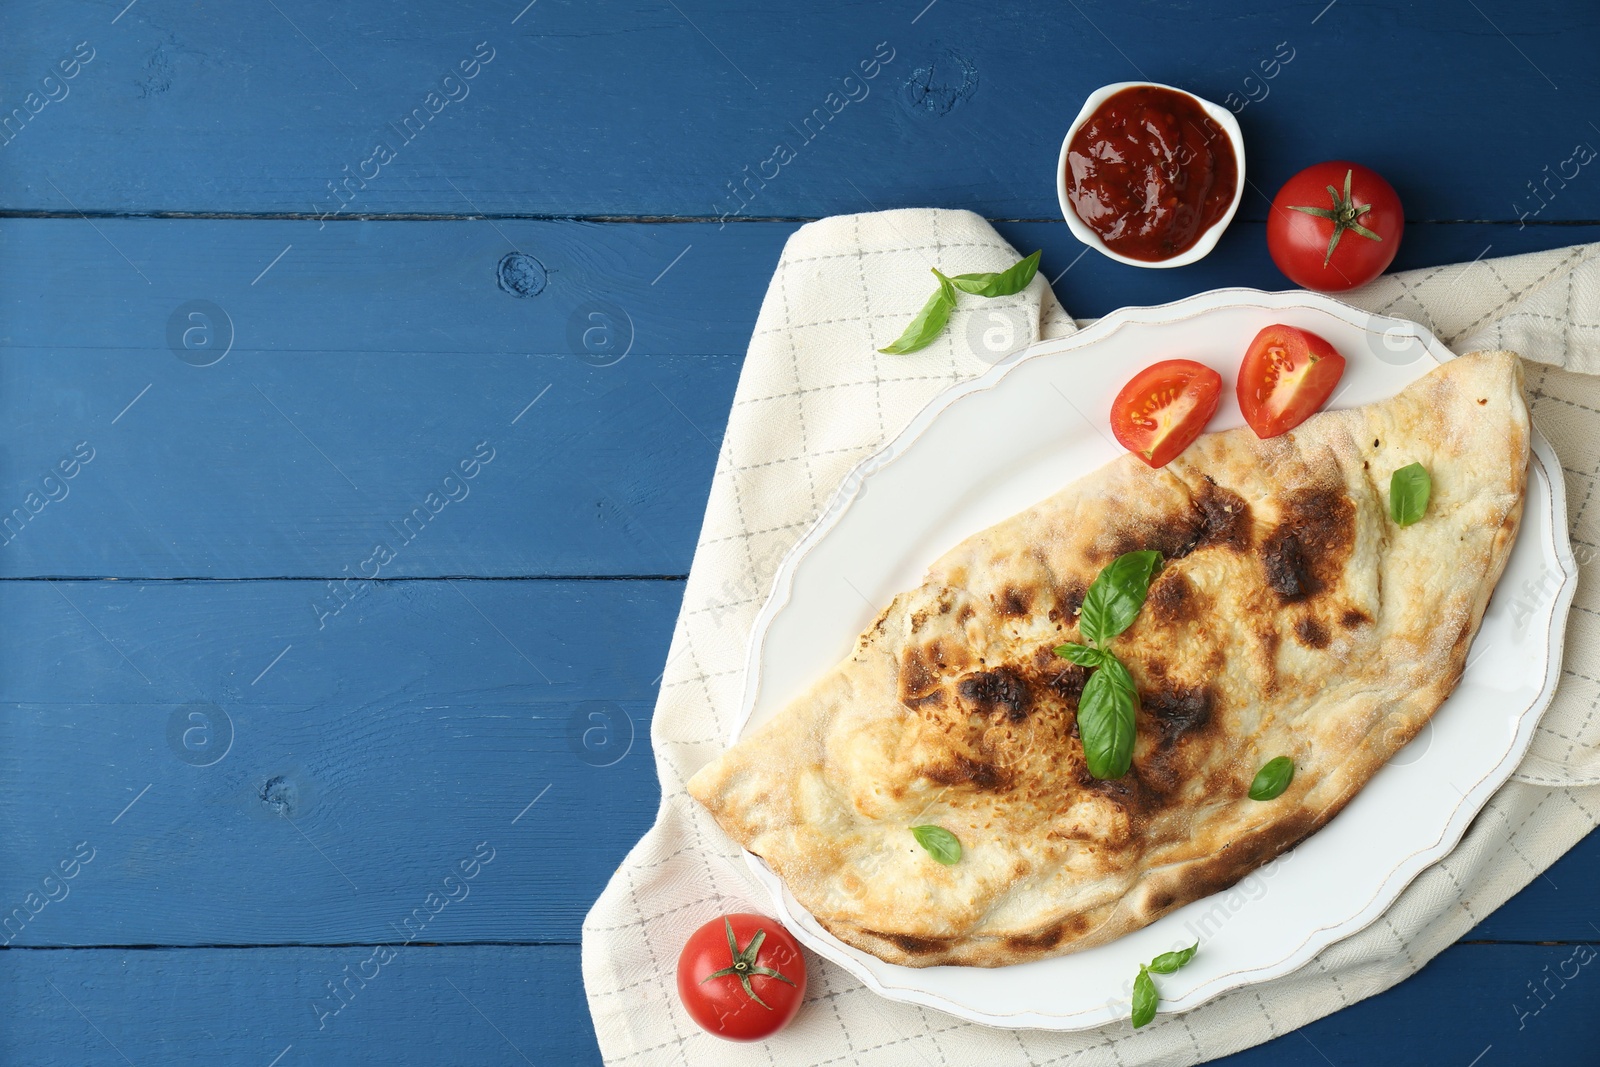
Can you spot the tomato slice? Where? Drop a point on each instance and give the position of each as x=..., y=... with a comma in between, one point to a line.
x=1287, y=375
x=1164, y=408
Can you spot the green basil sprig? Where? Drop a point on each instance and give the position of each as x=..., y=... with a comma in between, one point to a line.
x=941, y=844
x=1272, y=779
x=1409, y=490
x=1108, y=703
x=1114, y=600
x=1106, y=719
x=1082, y=655
x=1007, y=282
x=935, y=314
x=1145, y=997
x=929, y=323
x=1169, y=962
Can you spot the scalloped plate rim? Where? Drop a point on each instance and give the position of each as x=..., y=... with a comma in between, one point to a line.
x=1542, y=460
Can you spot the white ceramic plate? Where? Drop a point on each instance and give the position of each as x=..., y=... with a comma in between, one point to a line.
x=989, y=448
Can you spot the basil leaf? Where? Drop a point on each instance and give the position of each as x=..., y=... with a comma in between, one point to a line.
x=1272, y=779
x=940, y=843
x=929, y=323
x=1409, y=490
x=1007, y=282
x=1145, y=998
x=1116, y=596
x=1168, y=962
x=1106, y=719
x=1082, y=655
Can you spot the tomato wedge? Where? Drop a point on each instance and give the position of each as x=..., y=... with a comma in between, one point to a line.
x=1287, y=375
x=1164, y=408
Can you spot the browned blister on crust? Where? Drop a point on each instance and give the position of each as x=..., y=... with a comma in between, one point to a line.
x=1291, y=617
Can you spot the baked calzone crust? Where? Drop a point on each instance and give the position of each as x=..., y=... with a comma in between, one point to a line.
x=1291, y=617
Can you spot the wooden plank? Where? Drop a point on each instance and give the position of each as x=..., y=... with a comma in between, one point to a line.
x=206, y=743
x=334, y=776
x=372, y=358
x=366, y=365
x=405, y=349
x=1472, y=1004
x=644, y=108
x=486, y=1005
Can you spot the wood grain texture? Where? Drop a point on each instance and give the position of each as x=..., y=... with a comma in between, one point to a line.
x=373, y=749
x=332, y=778
x=451, y=1007
x=365, y=366
x=488, y=1005
x=643, y=108
x=372, y=358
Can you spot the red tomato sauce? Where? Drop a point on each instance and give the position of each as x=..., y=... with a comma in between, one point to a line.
x=1150, y=172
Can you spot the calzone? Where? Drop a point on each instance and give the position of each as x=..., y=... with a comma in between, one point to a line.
x=1291, y=616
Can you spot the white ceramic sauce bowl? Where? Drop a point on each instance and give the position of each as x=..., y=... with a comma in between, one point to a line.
x=1208, y=239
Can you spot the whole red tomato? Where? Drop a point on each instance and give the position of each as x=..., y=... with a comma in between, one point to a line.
x=741, y=977
x=1334, y=226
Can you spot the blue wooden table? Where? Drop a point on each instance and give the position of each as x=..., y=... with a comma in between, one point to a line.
x=362, y=368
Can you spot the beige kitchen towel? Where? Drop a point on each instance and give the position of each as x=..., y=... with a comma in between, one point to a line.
x=815, y=398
